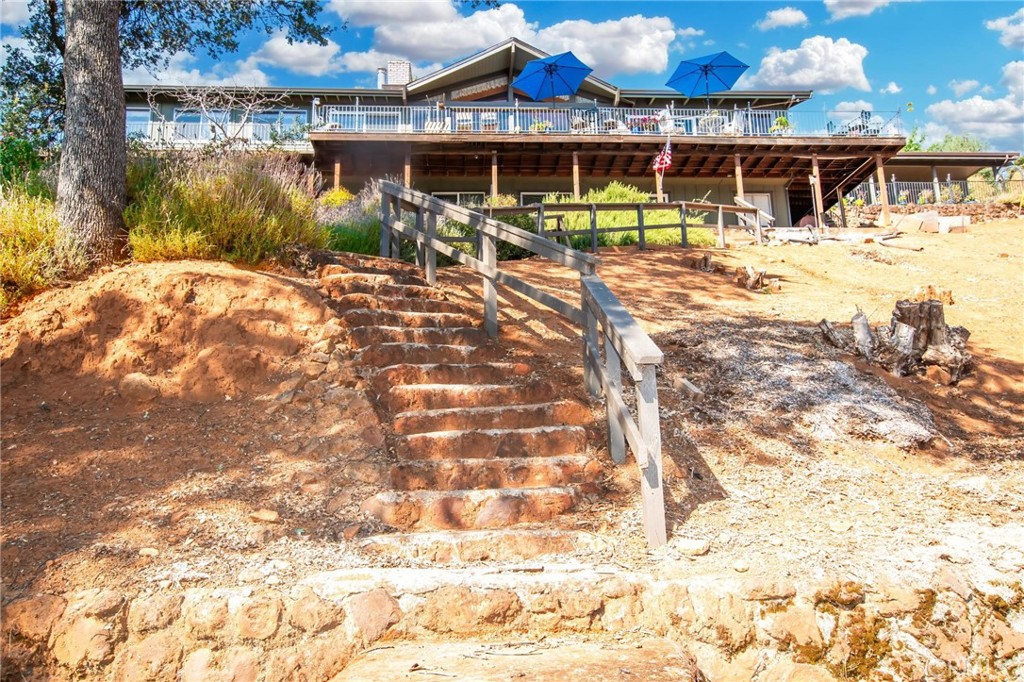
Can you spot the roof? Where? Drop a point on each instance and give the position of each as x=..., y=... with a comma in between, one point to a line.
x=980, y=159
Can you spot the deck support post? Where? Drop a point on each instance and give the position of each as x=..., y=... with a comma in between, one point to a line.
x=407, y=168
x=880, y=167
x=652, y=493
x=721, y=229
x=494, y=175
x=337, y=174
x=739, y=177
x=819, y=204
x=842, y=206
x=576, y=176
x=657, y=187
x=935, y=185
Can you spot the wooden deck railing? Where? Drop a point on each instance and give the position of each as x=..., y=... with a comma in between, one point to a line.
x=599, y=314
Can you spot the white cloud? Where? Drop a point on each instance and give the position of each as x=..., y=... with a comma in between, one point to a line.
x=374, y=12
x=1011, y=29
x=986, y=90
x=820, y=63
x=180, y=72
x=629, y=45
x=932, y=90
x=997, y=121
x=785, y=16
x=841, y=9
x=306, y=58
x=13, y=12
x=12, y=42
x=689, y=32
x=961, y=88
x=708, y=42
x=851, y=108
x=418, y=37
x=891, y=89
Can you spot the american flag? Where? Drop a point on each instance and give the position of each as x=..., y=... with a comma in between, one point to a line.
x=663, y=160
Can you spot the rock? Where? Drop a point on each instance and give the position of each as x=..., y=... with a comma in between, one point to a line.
x=139, y=387
x=101, y=603
x=740, y=566
x=797, y=624
x=149, y=552
x=155, y=658
x=207, y=617
x=265, y=516
x=787, y=671
x=691, y=546
x=721, y=617
x=371, y=614
x=82, y=640
x=339, y=502
x=33, y=618
x=304, y=477
x=351, y=531
x=458, y=609
x=154, y=612
x=313, y=615
x=763, y=589
x=259, y=617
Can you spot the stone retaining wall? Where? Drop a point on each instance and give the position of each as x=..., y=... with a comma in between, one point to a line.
x=979, y=213
x=828, y=630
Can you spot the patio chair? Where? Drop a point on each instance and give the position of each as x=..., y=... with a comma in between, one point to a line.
x=443, y=126
x=710, y=124
x=612, y=125
x=582, y=122
x=463, y=122
x=736, y=125
x=489, y=122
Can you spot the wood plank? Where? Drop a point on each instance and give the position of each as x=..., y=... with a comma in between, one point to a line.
x=635, y=347
x=652, y=491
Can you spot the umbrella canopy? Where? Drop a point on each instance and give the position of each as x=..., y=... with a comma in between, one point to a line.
x=715, y=72
x=559, y=74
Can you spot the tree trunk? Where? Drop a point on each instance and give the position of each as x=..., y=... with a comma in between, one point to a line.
x=91, y=188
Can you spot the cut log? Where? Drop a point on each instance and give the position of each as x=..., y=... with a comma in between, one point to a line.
x=832, y=336
x=863, y=339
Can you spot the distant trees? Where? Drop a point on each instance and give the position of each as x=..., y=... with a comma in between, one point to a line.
x=949, y=143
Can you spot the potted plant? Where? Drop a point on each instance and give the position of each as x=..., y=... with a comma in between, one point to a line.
x=780, y=126
x=540, y=126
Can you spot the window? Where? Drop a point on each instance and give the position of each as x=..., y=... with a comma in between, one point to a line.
x=468, y=199
x=281, y=122
x=137, y=122
x=527, y=198
x=198, y=125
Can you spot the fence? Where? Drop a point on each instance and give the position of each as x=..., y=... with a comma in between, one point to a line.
x=600, y=314
x=949, y=191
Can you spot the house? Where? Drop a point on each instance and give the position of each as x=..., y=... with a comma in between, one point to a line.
x=463, y=132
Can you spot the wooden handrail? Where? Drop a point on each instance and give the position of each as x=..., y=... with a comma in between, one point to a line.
x=600, y=314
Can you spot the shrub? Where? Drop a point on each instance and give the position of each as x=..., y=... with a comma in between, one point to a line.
x=239, y=207
x=337, y=197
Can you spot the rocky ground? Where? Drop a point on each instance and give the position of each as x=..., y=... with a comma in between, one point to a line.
x=185, y=448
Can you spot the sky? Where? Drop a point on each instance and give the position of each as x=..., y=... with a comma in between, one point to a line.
x=950, y=66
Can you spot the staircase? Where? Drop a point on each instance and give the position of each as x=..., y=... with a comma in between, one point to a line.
x=481, y=445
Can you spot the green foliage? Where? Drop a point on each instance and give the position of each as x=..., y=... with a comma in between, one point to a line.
x=915, y=141
x=240, y=208
x=29, y=257
x=958, y=143
x=336, y=198
x=19, y=158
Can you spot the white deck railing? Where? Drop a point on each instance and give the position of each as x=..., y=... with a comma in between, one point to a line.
x=180, y=134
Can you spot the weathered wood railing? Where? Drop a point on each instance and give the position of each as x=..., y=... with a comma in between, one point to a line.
x=599, y=314
x=679, y=207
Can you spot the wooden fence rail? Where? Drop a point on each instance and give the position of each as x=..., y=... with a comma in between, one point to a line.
x=600, y=314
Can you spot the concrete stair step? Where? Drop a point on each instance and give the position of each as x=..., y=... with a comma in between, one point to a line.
x=503, y=416
x=364, y=317
x=467, y=546
x=362, y=337
x=491, y=443
x=456, y=509
x=478, y=373
x=509, y=472
x=391, y=277
x=400, y=303
x=385, y=354
x=409, y=397
x=338, y=289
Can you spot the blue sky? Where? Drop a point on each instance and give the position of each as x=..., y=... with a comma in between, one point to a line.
x=951, y=66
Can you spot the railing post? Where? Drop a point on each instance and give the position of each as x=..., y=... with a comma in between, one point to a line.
x=721, y=228
x=421, y=249
x=489, y=255
x=652, y=494
x=396, y=238
x=593, y=228
x=642, y=242
x=682, y=225
x=590, y=363
x=540, y=220
x=613, y=377
x=385, y=222
x=431, y=266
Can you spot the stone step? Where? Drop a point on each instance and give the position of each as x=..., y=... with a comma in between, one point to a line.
x=362, y=337
x=480, y=373
x=364, y=317
x=455, y=509
x=466, y=546
x=338, y=289
x=367, y=264
x=510, y=472
x=410, y=397
x=502, y=416
x=416, y=305
x=490, y=443
x=393, y=277
x=385, y=354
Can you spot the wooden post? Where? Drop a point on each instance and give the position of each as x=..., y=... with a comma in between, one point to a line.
x=337, y=174
x=872, y=194
x=739, y=177
x=935, y=184
x=721, y=228
x=657, y=186
x=593, y=228
x=576, y=176
x=431, y=266
x=682, y=225
x=489, y=255
x=842, y=206
x=642, y=242
x=396, y=238
x=819, y=205
x=407, y=168
x=421, y=249
x=652, y=493
x=886, y=216
x=589, y=341
x=613, y=376
x=494, y=174
x=540, y=220
x=385, y=222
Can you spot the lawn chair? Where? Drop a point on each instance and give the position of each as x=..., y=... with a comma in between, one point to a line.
x=435, y=126
x=736, y=126
x=463, y=122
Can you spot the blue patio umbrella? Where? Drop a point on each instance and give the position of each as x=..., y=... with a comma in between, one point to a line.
x=559, y=74
x=716, y=72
